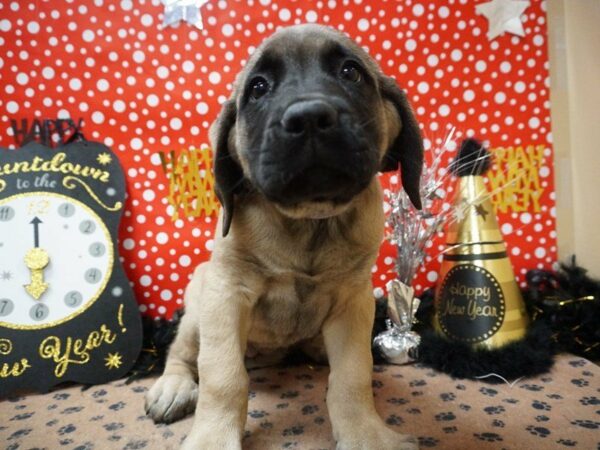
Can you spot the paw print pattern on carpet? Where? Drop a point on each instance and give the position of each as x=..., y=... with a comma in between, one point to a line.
x=590, y=401
x=538, y=431
x=541, y=405
x=493, y=410
x=592, y=425
x=445, y=416
x=488, y=437
x=428, y=441
x=287, y=409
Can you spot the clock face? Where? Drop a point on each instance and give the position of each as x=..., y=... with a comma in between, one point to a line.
x=56, y=257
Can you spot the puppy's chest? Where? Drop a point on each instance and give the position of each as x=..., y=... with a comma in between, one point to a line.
x=292, y=309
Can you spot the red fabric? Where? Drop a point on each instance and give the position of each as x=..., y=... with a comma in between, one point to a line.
x=142, y=88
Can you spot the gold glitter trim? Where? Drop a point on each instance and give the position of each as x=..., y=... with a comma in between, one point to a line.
x=120, y=318
x=191, y=182
x=69, y=183
x=36, y=260
x=2, y=185
x=108, y=275
x=5, y=346
x=515, y=181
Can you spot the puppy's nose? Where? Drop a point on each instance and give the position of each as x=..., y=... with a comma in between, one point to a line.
x=309, y=115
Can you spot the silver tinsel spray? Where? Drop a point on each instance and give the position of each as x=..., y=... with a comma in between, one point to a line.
x=410, y=231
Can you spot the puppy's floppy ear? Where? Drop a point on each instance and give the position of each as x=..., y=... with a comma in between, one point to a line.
x=407, y=148
x=228, y=173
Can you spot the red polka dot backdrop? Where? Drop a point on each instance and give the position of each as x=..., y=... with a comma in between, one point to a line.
x=151, y=91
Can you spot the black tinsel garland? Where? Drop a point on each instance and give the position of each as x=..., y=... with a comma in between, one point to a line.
x=564, y=307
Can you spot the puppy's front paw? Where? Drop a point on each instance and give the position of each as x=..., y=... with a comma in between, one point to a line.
x=171, y=398
x=377, y=438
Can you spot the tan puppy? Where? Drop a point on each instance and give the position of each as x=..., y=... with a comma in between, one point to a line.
x=309, y=124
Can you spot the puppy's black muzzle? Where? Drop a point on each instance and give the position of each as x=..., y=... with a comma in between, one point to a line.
x=314, y=152
x=309, y=117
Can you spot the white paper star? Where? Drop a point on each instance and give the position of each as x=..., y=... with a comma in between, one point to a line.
x=503, y=16
x=187, y=10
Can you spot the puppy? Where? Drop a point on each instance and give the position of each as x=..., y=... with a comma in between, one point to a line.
x=310, y=122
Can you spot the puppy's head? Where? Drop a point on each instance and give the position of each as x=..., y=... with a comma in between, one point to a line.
x=310, y=122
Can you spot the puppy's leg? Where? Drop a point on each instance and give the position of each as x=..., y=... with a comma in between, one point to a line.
x=347, y=334
x=223, y=380
x=175, y=393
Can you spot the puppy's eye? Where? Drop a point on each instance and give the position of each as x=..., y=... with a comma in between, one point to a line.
x=258, y=87
x=351, y=72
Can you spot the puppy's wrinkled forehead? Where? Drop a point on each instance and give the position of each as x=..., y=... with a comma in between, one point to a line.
x=302, y=48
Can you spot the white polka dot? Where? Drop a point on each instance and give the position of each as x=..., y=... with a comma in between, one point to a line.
x=418, y=10
x=185, y=261
x=75, y=84
x=5, y=25
x=507, y=228
x=311, y=16
x=147, y=20
x=22, y=78
x=500, y=97
x=97, y=117
x=423, y=87
x=410, y=45
x=146, y=280
x=128, y=244
x=162, y=72
x=136, y=143
x=119, y=106
x=480, y=66
x=214, y=77
x=88, y=35
x=505, y=67
x=188, y=66
x=152, y=100
x=12, y=107
x=166, y=295
x=175, y=123
x=202, y=108
x=432, y=276
x=149, y=195
x=534, y=122
x=139, y=56
x=456, y=55
x=102, y=85
x=285, y=14
x=48, y=73
x=519, y=87
x=468, y=95
x=525, y=217
x=378, y=292
x=444, y=12
x=363, y=24
x=33, y=27
x=432, y=60
x=162, y=237
x=444, y=110
x=227, y=30
x=540, y=252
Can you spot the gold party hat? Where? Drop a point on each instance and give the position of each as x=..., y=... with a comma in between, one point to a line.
x=478, y=300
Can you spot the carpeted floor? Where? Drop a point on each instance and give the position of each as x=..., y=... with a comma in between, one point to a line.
x=287, y=410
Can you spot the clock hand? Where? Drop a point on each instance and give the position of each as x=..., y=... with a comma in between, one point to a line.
x=36, y=231
x=36, y=260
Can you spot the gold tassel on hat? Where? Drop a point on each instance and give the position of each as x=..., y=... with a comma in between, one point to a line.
x=477, y=300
